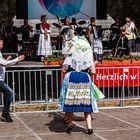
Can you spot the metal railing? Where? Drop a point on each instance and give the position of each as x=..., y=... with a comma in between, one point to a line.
x=42, y=85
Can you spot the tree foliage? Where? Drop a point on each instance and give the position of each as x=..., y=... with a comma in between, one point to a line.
x=116, y=8
x=122, y=8
x=7, y=10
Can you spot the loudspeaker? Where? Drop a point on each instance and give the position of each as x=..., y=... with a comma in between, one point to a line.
x=101, y=9
x=22, y=9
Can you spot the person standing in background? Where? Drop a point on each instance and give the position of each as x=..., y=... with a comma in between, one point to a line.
x=25, y=30
x=44, y=46
x=115, y=32
x=12, y=38
x=94, y=40
x=66, y=32
x=73, y=24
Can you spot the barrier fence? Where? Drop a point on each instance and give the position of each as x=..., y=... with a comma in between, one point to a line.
x=42, y=85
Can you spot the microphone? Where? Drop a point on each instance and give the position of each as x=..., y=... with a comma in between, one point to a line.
x=57, y=17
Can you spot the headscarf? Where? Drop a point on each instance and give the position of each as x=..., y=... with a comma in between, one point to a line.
x=80, y=54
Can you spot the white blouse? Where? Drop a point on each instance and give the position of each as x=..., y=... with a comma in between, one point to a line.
x=5, y=63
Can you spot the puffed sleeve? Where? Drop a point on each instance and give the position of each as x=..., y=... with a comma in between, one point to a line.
x=63, y=91
x=7, y=63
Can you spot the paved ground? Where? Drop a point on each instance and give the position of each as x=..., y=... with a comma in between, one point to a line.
x=115, y=124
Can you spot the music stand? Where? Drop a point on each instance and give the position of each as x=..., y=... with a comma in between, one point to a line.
x=122, y=48
x=37, y=26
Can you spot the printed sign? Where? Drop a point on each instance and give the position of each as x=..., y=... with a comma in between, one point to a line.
x=112, y=77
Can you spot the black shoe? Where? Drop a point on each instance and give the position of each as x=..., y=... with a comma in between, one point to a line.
x=69, y=129
x=65, y=121
x=6, y=117
x=90, y=131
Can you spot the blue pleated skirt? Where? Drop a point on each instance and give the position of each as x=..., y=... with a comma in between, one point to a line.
x=72, y=104
x=77, y=108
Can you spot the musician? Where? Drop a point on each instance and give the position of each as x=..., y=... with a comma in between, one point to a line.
x=73, y=23
x=12, y=38
x=115, y=29
x=44, y=46
x=66, y=32
x=129, y=30
x=115, y=34
x=66, y=21
x=93, y=37
x=25, y=30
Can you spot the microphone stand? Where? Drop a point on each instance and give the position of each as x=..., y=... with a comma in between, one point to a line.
x=59, y=36
x=137, y=35
x=84, y=14
x=81, y=13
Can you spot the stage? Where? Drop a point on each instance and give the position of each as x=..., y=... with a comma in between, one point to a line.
x=33, y=64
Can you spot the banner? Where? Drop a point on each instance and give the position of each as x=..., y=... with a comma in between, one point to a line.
x=80, y=9
x=116, y=76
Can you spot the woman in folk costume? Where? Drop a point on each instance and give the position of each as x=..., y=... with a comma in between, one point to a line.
x=94, y=40
x=66, y=32
x=44, y=46
x=78, y=93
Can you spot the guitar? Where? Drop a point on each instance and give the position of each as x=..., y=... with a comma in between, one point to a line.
x=130, y=35
x=128, y=32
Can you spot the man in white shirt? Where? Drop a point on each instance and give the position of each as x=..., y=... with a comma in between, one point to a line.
x=4, y=88
x=129, y=30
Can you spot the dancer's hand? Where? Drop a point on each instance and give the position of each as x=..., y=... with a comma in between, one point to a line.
x=9, y=58
x=21, y=57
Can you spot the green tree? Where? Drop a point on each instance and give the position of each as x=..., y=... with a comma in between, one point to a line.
x=7, y=10
x=122, y=8
x=116, y=8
